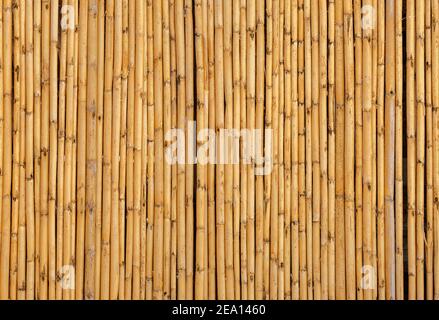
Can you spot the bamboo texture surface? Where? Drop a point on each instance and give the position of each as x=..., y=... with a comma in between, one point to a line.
x=219, y=149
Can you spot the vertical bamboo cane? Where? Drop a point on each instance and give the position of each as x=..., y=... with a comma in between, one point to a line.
x=420, y=150
x=429, y=155
x=227, y=147
x=390, y=151
x=236, y=152
x=323, y=125
x=350, y=150
x=2, y=122
x=339, y=156
x=358, y=147
x=211, y=167
x=172, y=33
x=181, y=169
x=167, y=126
x=274, y=223
x=150, y=150
x=399, y=197
x=411, y=150
x=281, y=165
x=21, y=274
x=380, y=149
x=37, y=136
x=294, y=157
x=130, y=150
x=190, y=116
x=53, y=119
x=268, y=127
x=315, y=153
x=123, y=147
x=158, y=151
x=60, y=158
x=91, y=161
x=201, y=167
x=13, y=269
x=115, y=151
x=219, y=119
x=287, y=146
x=68, y=166
x=45, y=66
x=301, y=132
x=81, y=160
x=99, y=139
x=30, y=210
x=435, y=70
x=331, y=150
x=107, y=148
x=7, y=150
x=244, y=166
x=367, y=151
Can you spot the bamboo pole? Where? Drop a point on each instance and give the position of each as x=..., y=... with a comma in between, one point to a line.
x=399, y=183
x=21, y=274
x=358, y=32
x=30, y=210
x=367, y=153
x=115, y=151
x=268, y=126
x=13, y=269
x=219, y=119
x=158, y=151
x=244, y=166
x=190, y=169
x=68, y=154
x=301, y=132
x=150, y=151
x=411, y=150
x=99, y=139
x=181, y=169
x=7, y=151
x=294, y=157
x=323, y=152
x=390, y=152
x=281, y=165
x=308, y=146
x=340, y=248
x=435, y=64
x=37, y=136
x=53, y=143
x=420, y=147
x=144, y=288
x=331, y=151
x=173, y=77
x=428, y=155
x=167, y=126
x=81, y=160
x=350, y=150
x=45, y=95
x=107, y=149
x=227, y=147
x=315, y=154
x=130, y=151
x=236, y=152
x=91, y=161
x=201, y=167
x=287, y=146
x=61, y=159
x=2, y=119
x=380, y=149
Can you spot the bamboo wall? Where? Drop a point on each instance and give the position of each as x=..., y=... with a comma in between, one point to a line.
x=92, y=209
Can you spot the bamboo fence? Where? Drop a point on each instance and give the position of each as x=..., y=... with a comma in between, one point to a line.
x=219, y=149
